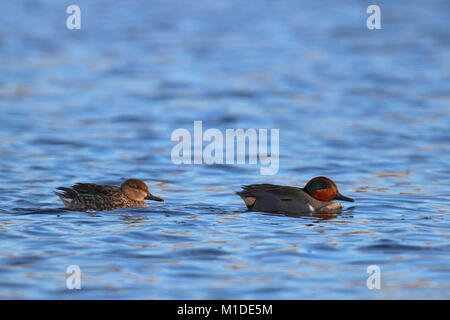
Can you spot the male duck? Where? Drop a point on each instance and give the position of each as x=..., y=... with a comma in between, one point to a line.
x=315, y=197
x=90, y=196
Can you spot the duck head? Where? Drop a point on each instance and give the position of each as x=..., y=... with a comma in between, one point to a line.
x=137, y=190
x=324, y=189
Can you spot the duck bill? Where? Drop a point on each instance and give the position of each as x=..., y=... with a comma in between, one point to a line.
x=154, y=198
x=344, y=198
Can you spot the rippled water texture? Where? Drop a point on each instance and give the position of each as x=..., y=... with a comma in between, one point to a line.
x=368, y=108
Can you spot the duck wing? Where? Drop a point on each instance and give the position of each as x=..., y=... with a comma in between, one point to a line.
x=257, y=190
x=94, y=189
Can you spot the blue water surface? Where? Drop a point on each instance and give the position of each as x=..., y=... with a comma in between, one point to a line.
x=368, y=108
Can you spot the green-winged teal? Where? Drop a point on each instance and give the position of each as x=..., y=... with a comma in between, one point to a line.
x=90, y=196
x=315, y=197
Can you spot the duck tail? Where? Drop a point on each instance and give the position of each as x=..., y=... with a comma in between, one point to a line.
x=67, y=196
x=248, y=200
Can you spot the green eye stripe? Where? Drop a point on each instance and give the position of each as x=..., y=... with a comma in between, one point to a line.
x=317, y=185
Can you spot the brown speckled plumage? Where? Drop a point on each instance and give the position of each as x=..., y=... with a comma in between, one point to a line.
x=90, y=196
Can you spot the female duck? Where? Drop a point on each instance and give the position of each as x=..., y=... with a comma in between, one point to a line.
x=90, y=196
x=315, y=197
